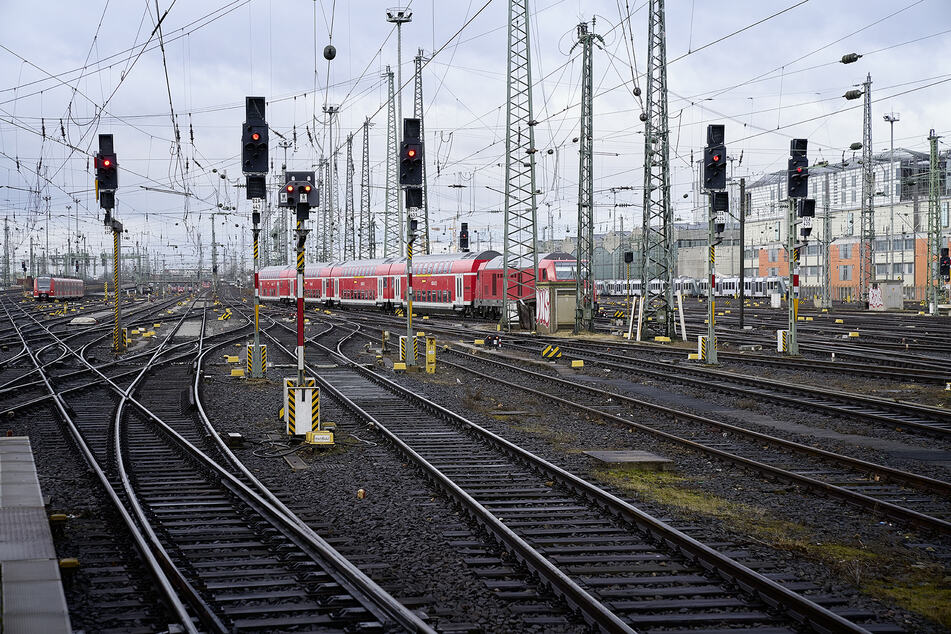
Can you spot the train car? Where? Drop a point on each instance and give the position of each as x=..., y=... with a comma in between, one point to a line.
x=443, y=282
x=47, y=288
x=687, y=286
x=555, y=266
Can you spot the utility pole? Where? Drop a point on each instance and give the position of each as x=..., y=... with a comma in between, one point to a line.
x=891, y=118
x=714, y=183
x=827, y=246
x=520, y=241
x=934, y=227
x=365, y=235
x=285, y=243
x=214, y=260
x=743, y=212
x=321, y=246
x=797, y=189
x=867, y=256
x=418, y=113
x=349, y=248
x=6, y=251
x=329, y=228
x=657, y=241
x=584, y=261
x=392, y=219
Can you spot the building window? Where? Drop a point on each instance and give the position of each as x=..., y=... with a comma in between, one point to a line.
x=845, y=273
x=881, y=269
x=853, y=195
x=855, y=180
x=773, y=254
x=909, y=268
x=845, y=251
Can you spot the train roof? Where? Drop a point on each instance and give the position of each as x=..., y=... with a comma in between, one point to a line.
x=525, y=262
x=435, y=257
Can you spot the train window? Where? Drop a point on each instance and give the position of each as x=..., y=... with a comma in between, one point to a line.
x=544, y=274
x=564, y=270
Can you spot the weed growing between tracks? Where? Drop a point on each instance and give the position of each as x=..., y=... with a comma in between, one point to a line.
x=882, y=572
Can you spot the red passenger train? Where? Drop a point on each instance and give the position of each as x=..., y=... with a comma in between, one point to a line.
x=58, y=288
x=468, y=283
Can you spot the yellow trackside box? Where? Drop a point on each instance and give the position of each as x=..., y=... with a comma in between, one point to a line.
x=430, y=355
x=301, y=406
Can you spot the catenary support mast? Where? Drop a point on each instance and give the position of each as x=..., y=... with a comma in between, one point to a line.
x=520, y=243
x=657, y=238
x=584, y=267
x=866, y=255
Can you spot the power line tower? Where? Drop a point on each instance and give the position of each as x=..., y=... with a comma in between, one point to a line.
x=934, y=227
x=520, y=237
x=418, y=113
x=392, y=219
x=322, y=247
x=349, y=248
x=867, y=264
x=657, y=237
x=584, y=280
x=365, y=237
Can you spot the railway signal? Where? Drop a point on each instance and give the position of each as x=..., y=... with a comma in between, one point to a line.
x=798, y=172
x=714, y=158
x=411, y=154
x=464, y=237
x=944, y=264
x=800, y=210
x=254, y=158
x=807, y=211
x=714, y=181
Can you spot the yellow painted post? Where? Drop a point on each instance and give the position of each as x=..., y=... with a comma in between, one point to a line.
x=430, y=355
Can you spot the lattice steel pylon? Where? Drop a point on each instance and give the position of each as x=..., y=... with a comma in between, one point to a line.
x=322, y=246
x=867, y=245
x=366, y=240
x=657, y=237
x=349, y=247
x=392, y=219
x=584, y=267
x=422, y=242
x=520, y=208
x=933, y=280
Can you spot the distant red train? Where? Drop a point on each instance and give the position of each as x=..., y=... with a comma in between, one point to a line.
x=58, y=288
x=468, y=283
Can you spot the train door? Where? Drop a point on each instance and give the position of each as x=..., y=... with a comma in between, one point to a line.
x=379, y=287
x=460, y=296
x=336, y=288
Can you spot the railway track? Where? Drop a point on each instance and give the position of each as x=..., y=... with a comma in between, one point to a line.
x=223, y=555
x=621, y=568
x=887, y=491
x=897, y=414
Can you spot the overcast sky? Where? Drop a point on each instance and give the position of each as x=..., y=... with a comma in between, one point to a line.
x=768, y=69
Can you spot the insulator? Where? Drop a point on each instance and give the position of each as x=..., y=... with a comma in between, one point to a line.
x=853, y=94
x=848, y=58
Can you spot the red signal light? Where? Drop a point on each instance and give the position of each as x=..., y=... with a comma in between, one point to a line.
x=411, y=153
x=255, y=137
x=799, y=170
x=290, y=188
x=716, y=158
x=106, y=163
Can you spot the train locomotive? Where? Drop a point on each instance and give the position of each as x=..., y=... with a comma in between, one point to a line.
x=465, y=283
x=48, y=288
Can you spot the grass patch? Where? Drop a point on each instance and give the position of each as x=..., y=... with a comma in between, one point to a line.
x=884, y=573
